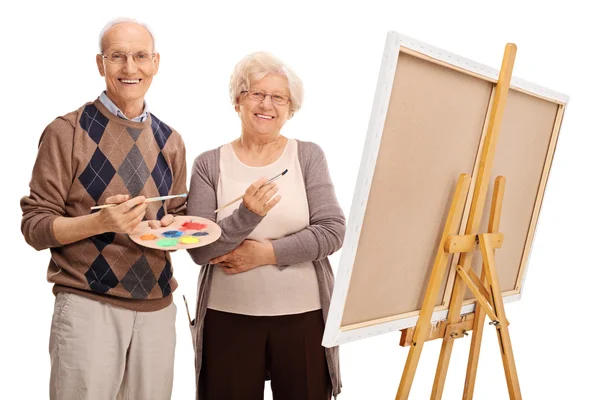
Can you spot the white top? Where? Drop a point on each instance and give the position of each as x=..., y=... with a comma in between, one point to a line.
x=268, y=289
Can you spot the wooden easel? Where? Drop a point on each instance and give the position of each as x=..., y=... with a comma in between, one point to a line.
x=486, y=289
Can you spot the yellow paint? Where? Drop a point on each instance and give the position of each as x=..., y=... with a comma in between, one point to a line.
x=189, y=240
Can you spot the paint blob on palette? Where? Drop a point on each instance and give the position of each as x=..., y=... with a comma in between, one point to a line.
x=185, y=232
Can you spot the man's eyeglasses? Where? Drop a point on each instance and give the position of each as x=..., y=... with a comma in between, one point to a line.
x=257, y=95
x=120, y=57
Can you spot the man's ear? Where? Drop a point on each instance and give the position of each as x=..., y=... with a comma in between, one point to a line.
x=156, y=62
x=100, y=64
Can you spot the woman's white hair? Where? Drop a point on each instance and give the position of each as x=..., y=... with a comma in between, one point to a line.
x=254, y=67
x=116, y=21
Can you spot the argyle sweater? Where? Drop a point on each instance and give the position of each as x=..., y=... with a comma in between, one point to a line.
x=83, y=158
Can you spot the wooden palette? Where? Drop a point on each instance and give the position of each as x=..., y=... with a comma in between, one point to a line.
x=186, y=232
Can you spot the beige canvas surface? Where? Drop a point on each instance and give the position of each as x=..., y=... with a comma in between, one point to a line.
x=430, y=138
x=523, y=145
x=433, y=130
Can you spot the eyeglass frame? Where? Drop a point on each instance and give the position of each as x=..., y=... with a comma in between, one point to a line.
x=269, y=94
x=152, y=55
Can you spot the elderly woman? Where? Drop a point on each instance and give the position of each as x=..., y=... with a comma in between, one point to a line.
x=265, y=286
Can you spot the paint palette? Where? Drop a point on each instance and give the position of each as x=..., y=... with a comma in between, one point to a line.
x=186, y=232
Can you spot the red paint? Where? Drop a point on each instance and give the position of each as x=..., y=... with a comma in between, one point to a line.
x=192, y=225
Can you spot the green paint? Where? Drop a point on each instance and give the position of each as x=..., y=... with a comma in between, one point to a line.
x=167, y=242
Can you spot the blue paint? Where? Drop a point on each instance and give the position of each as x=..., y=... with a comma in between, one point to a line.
x=172, y=234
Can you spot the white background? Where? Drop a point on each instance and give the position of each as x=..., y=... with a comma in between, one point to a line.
x=48, y=69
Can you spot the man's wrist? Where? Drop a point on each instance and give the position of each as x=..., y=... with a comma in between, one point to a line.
x=95, y=224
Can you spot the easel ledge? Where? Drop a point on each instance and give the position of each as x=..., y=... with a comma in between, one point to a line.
x=441, y=329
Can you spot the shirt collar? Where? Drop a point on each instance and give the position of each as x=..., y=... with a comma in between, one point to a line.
x=115, y=110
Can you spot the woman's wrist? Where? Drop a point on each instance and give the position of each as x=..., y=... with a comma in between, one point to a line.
x=268, y=253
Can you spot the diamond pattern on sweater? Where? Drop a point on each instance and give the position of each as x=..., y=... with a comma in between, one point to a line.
x=162, y=175
x=122, y=159
x=134, y=172
x=102, y=240
x=139, y=280
x=93, y=122
x=100, y=277
x=97, y=175
x=160, y=131
x=161, y=212
x=164, y=278
x=134, y=133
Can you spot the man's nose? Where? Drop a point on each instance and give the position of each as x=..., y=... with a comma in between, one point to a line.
x=130, y=66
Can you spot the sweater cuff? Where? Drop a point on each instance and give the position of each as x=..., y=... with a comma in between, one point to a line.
x=281, y=248
x=247, y=217
x=295, y=249
x=43, y=233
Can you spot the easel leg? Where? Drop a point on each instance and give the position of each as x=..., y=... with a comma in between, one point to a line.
x=479, y=194
x=458, y=293
x=475, y=350
x=508, y=359
x=493, y=226
x=433, y=288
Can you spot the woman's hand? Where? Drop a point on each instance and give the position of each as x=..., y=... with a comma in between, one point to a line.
x=258, y=195
x=248, y=255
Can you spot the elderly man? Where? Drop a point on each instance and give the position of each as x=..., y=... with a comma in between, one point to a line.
x=113, y=329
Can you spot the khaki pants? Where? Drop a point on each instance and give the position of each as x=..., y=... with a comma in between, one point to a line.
x=103, y=352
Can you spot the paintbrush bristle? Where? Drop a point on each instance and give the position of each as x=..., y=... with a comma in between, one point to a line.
x=284, y=172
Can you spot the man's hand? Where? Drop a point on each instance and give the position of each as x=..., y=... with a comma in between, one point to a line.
x=164, y=221
x=124, y=217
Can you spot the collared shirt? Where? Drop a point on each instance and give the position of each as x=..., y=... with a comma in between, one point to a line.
x=115, y=110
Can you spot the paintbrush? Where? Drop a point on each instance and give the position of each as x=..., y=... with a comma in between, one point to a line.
x=242, y=196
x=148, y=200
x=187, y=310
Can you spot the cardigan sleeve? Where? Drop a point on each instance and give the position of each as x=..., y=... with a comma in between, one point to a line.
x=202, y=202
x=327, y=226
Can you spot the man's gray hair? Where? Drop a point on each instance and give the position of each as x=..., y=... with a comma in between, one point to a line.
x=116, y=21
